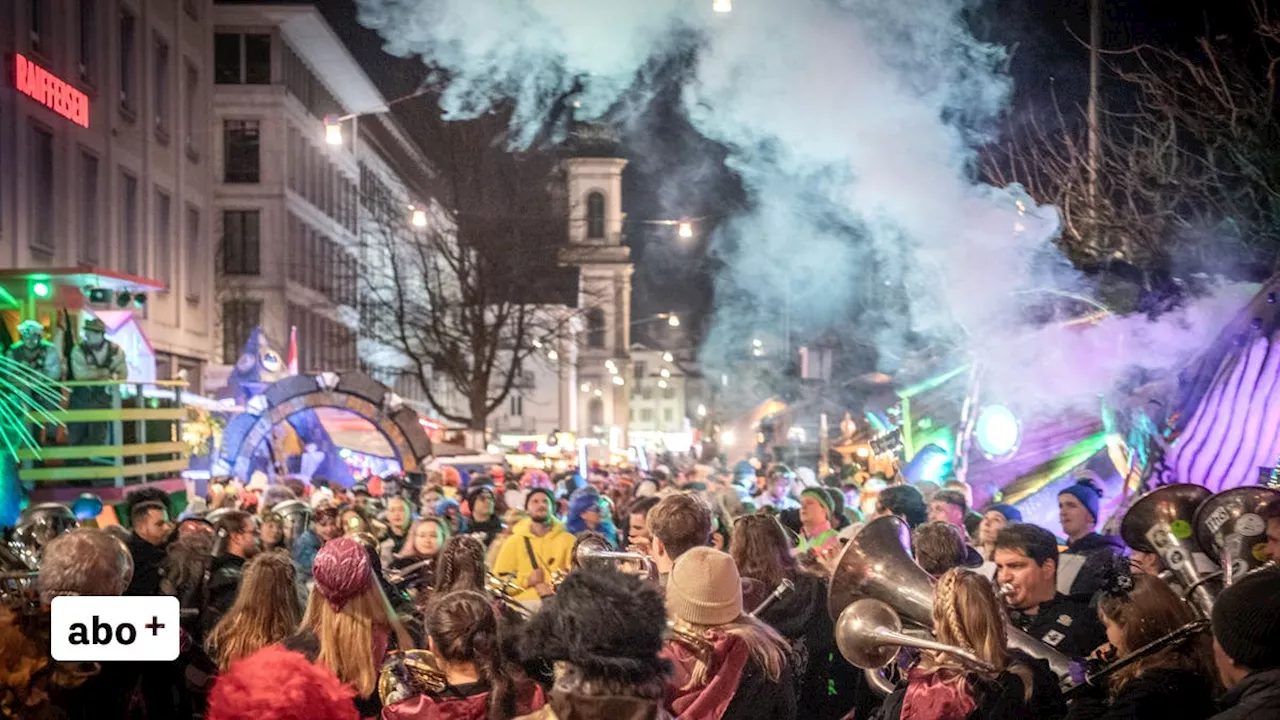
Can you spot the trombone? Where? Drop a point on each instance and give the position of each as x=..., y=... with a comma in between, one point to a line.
x=1186, y=633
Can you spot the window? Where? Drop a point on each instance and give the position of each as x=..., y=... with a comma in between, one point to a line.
x=517, y=406
x=668, y=414
x=240, y=242
x=595, y=412
x=88, y=208
x=194, y=261
x=669, y=392
x=164, y=240
x=128, y=61
x=646, y=415
x=240, y=151
x=640, y=368
x=239, y=318
x=241, y=59
x=190, y=100
x=595, y=216
x=595, y=328
x=160, y=91
x=134, y=262
x=42, y=188
x=647, y=393
x=39, y=25
x=88, y=38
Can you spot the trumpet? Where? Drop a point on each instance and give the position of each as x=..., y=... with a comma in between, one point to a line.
x=590, y=547
x=501, y=589
x=408, y=674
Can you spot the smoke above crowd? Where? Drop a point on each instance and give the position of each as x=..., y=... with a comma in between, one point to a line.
x=853, y=125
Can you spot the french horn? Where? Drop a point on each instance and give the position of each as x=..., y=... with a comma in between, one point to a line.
x=1162, y=522
x=1230, y=529
x=408, y=674
x=876, y=563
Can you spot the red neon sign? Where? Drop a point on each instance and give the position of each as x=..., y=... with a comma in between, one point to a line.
x=50, y=91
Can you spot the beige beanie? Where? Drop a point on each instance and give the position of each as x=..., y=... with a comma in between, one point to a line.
x=704, y=588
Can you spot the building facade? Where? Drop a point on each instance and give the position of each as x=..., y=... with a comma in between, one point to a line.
x=106, y=152
x=292, y=206
x=659, y=401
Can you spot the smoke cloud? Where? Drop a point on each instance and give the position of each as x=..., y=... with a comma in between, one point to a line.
x=853, y=125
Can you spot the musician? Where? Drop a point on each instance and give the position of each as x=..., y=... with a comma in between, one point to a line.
x=348, y=626
x=1171, y=682
x=237, y=533
x=747, y=673
x=638, y=536
x=265, y=611
x=966, y=615
x=678, y=523
x=1246, y=646
x=537, y=548
x=1085, y=565
x=322, y=529
x=994, y=518
x=602, y=636
x=818, y=537
x=483, y=506
x=418, y=556
x=480, y=682
x=1027, y=560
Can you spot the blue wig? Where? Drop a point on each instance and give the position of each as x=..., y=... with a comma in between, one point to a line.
x=582, y=500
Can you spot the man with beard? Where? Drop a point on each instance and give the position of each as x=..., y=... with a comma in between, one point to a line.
x=1026, y=558
x=151, y=526
x=537, y=548
x=95, y=358
x=237, y=542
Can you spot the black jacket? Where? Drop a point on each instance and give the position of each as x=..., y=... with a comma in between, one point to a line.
x=1257, y=697
x=1156, y=694
x=1063, y=623
x=147, y=559
x=824, y=680
x=999, y=699
x=220, y=593
x=1099, y=552
x=757, y=697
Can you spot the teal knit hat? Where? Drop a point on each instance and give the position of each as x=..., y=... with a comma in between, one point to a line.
x=821, y=496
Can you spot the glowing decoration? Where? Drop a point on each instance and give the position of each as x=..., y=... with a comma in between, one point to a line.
x=586, y=387
x=665, y=373
x=931, y=464
x=662, y=384
x=87, y=507
x=41, y=289
x=552, y=355
x=702, y=410
x=722, y=6
x=727, y=438
x=998, y=431
x=686, y=230
x=599, y=392
x=332, y=130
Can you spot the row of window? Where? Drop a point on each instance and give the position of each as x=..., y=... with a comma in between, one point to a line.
x=88, y=197
x=323, y=344
x=646, y=415
x=89, y=14
x=668, y=392
x=319, y=263
x=313, y=176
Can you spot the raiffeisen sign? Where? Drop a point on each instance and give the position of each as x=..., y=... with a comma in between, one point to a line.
x=50, y=91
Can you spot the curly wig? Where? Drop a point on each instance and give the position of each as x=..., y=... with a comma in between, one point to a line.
x=276, y=684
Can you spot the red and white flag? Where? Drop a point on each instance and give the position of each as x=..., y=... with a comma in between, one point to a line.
x=293, y=350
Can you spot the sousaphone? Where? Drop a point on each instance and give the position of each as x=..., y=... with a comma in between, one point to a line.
x=1163, y=522
x=1231, y=529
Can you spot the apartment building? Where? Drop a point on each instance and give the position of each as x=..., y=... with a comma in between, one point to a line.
x=105, y=152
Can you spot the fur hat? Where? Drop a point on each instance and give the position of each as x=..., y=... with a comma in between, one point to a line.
x=277, y=684
x=30, y=327
x=608, y=624
x=341, y=571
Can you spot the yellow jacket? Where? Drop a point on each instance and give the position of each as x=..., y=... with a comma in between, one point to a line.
x=554, y=551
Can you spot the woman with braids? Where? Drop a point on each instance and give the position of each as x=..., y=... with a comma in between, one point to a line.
x=1173, y=682
x=762, y=551
x=461, y=567
x=966, y=615
x=746, y=672
x=480, y=683
x=266, y=610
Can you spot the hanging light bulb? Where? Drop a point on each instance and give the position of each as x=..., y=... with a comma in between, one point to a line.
x=664, y=373
x=552, y=355
x=674, y=321
x=419, y=217
x=662, y=384
x=332, y=130
x=722, y=6
x=686, y=230
x=586, y=387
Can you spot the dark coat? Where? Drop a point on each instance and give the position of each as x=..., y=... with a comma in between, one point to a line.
x=1069, y=625
x=1156, y=694
x=147, y=560
x=224, y=583
x=1100, y=552
x=758, y=697
x=1257, y=697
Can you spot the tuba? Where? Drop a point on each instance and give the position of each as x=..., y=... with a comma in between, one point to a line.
x=869, y=634
x=296, y=517
x=1161, y=522
x=20, y=549
x=408, y=674
x=876, y=563
x=1230, y=528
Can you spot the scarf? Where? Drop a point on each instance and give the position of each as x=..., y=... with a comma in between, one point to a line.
x=941, y=695
x=709, y=701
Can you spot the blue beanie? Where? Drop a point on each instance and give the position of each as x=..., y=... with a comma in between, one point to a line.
x=1087, y=493
x=444, y=505
x=1010, y=513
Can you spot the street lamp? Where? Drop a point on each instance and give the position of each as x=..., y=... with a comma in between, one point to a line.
x=674, y=320
x=686, y=230
x=722, y=6
x=667, y=357
x=333, y=129
x=419, y=217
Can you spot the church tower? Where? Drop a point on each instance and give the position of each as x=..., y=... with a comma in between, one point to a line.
x=593, y=178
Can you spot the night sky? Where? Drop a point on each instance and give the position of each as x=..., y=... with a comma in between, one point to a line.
x=1048, y=60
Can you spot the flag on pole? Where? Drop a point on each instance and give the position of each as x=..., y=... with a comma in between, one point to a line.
x=293, y=350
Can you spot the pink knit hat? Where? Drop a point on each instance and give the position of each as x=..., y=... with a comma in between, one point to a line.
x=342, y=571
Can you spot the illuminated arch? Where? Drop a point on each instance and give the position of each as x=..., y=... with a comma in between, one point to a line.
x=353, y=391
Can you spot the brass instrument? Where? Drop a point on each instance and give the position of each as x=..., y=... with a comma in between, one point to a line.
x=502, y=589
x=695, y=642
x=876, y=563
x=403, y=575
x=590, y=547
x=1229, y=527
x=1161, y=522
x=20, y=550
x=1183, y=634
x=869, y=634
x=408, y=674
x=783, y=588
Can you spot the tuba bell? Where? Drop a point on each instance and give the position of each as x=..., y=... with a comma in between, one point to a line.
x=1230, y=528
x=1161, y=522
x=877, y=564
x=869, y=634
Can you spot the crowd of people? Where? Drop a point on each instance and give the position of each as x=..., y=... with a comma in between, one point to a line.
x=700, y=593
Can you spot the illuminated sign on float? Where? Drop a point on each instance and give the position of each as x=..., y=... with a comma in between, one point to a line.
x=50, y=91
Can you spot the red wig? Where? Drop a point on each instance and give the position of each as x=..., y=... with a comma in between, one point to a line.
x=276, y=684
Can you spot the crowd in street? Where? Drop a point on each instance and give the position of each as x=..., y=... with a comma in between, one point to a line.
x=695, y=592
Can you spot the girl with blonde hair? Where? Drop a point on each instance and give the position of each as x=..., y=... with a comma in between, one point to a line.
x=966, y=615
x=349, y=625
x=417, y=559
x=266, y=611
